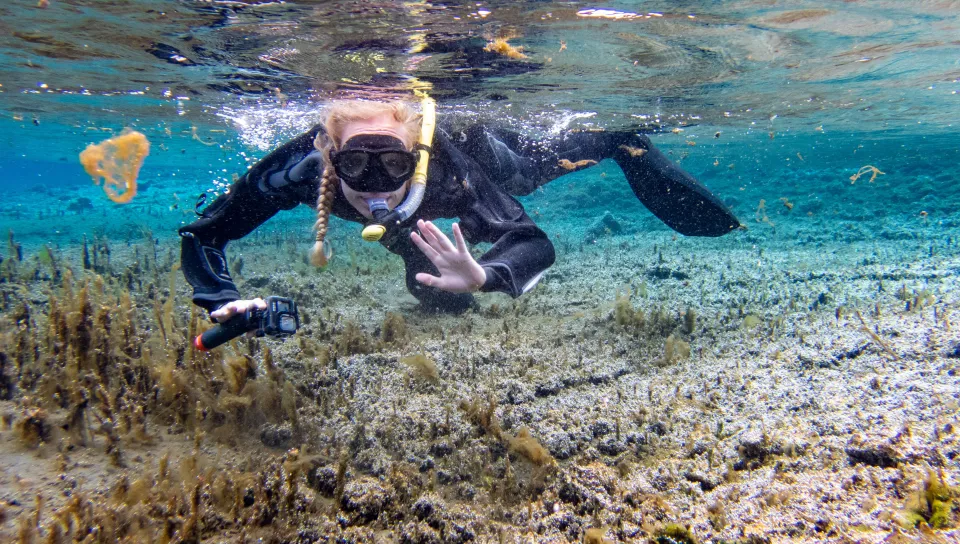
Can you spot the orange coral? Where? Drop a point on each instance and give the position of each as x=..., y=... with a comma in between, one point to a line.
x=117, y=161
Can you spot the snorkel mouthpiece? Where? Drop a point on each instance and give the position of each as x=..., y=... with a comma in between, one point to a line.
x=378, y=209
x=418, y=183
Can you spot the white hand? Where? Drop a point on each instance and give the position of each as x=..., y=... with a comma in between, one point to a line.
x=231, y=309
x=459, y=272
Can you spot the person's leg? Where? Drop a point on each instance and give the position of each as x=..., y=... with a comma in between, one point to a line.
x=502, y=156
x=669, y=192
x=520, y=165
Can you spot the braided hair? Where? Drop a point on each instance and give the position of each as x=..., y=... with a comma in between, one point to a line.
x=318, y=255
x=339, y=115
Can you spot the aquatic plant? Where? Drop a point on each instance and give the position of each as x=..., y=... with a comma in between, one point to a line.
x=9, y=265
x=353, y=340
x=394, y=329
x=500, y=46
x=624, y=314
x=872, y=170
x=634, y=151
x=673, y=533
x=569, y=166
x=931, y=503
x=102, y=367
x=595, y=535
x=422, y=367
x=689, y=321
x=530, y=448
x=674, y=349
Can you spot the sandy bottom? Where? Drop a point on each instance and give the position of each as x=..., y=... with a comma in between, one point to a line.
x=809, y=394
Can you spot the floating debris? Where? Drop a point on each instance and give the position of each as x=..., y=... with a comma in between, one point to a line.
x=873, y=170
x=116, y=163
x=634, y=151
x=567, y=165
x=502, y=47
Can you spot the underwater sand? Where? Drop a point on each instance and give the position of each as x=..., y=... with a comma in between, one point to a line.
x=818, y=401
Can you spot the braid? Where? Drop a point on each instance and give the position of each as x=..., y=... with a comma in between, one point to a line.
x=324, y=204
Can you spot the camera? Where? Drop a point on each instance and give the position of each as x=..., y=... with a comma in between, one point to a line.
x=279, y=319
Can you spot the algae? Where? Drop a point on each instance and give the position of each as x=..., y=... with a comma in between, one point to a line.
x=422, y=367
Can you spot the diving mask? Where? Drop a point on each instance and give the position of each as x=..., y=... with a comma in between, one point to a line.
x=374, y=163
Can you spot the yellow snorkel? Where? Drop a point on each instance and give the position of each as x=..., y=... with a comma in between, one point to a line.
x=383, y=218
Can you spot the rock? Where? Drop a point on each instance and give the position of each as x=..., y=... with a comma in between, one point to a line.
x=517, y=392
x=426, y=464
x=600, y=428
x=276, y=436
x=611, y=446
x=873, y=453
x=365, y=498
x=657, y=428
x=561, y=445
x=706, y=484
x=605, y=225
x=425, y=506
x=753, y=445
x=441, y=449
x=323, y=480
x=258, y=281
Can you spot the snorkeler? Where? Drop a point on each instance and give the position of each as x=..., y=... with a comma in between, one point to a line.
x=365, y=164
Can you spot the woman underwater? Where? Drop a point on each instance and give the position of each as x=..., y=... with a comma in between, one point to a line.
x=359, y=165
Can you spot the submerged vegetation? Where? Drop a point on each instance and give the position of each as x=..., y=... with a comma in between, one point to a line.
x=659, y=411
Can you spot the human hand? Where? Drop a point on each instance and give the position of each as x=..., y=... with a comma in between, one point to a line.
x=459, y=271
x=231, y=309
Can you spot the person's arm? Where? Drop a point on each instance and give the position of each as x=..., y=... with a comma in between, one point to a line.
x=521, y=252
x=280, y=181
x=520, y=165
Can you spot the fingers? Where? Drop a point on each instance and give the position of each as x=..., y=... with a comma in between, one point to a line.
x=424, y=247
x=458, y=236
x=237, y=307
x=427, y=279
x=434, y=236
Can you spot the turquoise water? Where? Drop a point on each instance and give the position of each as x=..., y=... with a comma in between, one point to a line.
x=801, y=95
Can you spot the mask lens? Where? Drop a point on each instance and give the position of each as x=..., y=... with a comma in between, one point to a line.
x=397, y=165
x=351, y=164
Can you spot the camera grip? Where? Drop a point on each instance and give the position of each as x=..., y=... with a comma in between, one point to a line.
x=223, y=333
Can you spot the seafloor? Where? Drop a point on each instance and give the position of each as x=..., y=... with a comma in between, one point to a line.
x=795, y=381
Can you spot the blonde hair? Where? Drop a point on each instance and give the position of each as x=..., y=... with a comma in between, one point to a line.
x=337, y=116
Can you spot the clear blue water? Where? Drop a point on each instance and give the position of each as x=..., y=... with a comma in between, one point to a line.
x=801, y=94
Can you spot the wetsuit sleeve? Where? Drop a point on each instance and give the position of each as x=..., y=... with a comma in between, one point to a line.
x=259, y=194
x=519, y=165
x=521, y=252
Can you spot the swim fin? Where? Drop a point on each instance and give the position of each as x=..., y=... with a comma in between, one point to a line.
x=671, y=194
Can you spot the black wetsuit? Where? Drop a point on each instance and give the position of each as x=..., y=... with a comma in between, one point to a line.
x=472, y=175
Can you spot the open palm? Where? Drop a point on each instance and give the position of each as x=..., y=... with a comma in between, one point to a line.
x=459, y=271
